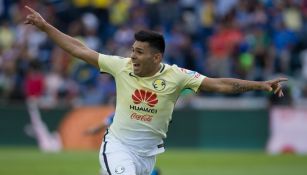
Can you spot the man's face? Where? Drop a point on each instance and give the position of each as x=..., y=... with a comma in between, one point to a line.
x=144, y=59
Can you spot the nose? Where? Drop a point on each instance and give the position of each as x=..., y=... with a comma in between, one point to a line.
x=133, y=56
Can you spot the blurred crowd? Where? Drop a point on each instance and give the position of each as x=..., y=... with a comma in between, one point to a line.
x=254, y=40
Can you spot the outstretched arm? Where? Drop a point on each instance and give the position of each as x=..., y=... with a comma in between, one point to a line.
x=69, y=44
x=232, y=85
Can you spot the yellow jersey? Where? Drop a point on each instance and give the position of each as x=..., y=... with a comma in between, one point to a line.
x=144, y=105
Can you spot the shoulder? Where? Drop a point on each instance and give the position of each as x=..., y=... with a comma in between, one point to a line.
x=113, y=57
x=182, y=72
x=113, y=64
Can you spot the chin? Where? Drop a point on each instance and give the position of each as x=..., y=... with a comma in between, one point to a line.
x=136, y=73
x=140, y=74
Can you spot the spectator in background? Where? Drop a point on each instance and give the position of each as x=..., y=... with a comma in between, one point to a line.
x=222, y=47
x=284, y=40
x=7, y=73
x=119, y=12
x=292, y=17
x=7, y=36
x=34, y=82
x=207, y=15
x=91, y=24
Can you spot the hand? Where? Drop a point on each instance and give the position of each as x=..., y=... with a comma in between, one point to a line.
x=275, y=85
x=35, y=19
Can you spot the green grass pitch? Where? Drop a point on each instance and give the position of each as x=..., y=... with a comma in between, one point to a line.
x=29, y=161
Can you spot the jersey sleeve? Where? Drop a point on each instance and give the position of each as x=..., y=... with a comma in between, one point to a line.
x=111, y=64
x=189, y=79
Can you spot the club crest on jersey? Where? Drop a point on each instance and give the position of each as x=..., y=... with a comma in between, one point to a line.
x=143, y=96
x=159, y=84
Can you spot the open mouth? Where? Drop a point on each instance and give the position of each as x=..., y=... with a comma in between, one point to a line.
x=135, y=65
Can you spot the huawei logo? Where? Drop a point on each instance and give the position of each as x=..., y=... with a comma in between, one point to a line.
x=147, y=97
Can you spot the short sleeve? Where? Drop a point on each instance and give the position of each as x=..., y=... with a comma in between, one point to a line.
x=111, y=64
x=190, y=79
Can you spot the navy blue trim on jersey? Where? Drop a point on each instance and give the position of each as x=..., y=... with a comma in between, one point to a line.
x=102, y=72
x=160, y=145
x=163, y=66
x=131, y=74
x=104, y=152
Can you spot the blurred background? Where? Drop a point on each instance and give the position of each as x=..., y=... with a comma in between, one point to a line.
x=254, y=40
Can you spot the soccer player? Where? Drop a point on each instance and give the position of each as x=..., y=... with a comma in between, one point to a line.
x=147, y=90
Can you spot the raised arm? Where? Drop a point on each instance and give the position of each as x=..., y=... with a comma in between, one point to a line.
x=232, y=85
x=69, y=44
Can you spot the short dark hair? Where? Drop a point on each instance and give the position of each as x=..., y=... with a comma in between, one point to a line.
x=155, y=39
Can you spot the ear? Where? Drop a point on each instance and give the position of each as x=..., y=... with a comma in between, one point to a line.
x=157, y=57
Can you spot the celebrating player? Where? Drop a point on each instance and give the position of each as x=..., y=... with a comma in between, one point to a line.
x=147, y=90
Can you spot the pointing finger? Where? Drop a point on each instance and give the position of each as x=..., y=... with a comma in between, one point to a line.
x=280, y=80
x=30, y=9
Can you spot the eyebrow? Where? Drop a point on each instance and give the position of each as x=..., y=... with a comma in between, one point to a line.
x=137, y=48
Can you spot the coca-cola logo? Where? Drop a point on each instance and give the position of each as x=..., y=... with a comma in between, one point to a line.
x=141, y=117
x=143, y=96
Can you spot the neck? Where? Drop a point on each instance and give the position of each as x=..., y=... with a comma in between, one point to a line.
x=154, y=71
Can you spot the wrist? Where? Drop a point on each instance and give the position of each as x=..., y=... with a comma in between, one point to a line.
x=45, y=26
x=265, y=86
